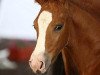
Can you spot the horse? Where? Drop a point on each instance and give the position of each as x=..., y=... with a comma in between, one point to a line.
x=70, y=27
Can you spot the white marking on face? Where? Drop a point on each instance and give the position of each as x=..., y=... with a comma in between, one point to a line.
x=44, y=20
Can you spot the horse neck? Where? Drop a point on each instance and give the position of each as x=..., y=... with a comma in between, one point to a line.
x=70, y=67
x=84, y=43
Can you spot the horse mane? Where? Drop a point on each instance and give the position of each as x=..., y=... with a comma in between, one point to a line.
x=41, y=2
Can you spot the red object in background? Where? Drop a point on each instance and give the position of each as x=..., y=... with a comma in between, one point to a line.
x=20, y=54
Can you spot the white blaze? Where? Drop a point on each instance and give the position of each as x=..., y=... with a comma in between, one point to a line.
x=43, y=22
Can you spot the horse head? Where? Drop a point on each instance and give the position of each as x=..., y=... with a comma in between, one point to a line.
x=52, y=26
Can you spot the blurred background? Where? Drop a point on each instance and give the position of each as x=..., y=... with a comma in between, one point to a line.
x=17, y=35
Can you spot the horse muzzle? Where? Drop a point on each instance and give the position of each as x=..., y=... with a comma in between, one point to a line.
x=39, y=63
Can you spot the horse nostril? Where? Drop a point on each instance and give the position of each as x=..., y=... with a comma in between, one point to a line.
x=30, y=61
x=41, y=64
x=38, y=72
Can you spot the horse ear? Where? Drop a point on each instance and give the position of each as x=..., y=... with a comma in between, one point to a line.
x=41, y=2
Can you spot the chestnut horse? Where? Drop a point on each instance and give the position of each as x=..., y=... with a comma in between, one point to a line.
x=70, y=27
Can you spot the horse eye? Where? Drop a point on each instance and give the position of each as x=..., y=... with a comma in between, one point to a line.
x=58, y=27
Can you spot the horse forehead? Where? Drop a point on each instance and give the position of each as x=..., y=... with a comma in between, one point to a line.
x=44, y=19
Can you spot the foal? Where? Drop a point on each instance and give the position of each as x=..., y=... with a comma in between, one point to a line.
x=71, y=27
